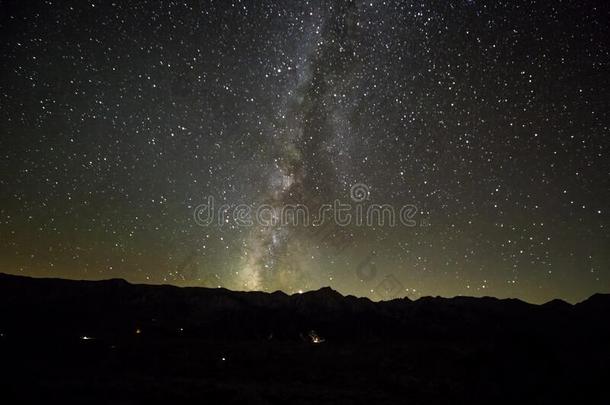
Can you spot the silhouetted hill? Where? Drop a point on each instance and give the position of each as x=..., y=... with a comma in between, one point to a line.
x=114, y=305
x=111, y=337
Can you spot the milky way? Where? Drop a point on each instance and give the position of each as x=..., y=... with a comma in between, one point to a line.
x=490, y=118
x=307, y=138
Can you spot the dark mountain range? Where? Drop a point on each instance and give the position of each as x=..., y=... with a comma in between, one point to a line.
x=115, y=342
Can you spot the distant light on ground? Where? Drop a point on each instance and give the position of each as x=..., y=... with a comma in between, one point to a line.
x=315, y=338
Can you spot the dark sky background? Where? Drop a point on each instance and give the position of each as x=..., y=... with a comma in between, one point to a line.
x=118, y=118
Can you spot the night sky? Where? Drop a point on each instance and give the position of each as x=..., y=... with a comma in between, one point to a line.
x=119, y=119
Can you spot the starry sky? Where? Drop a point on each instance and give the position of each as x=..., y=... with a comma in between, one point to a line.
x=120, y=118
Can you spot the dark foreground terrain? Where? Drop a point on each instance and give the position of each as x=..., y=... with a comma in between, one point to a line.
x=110, y=342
